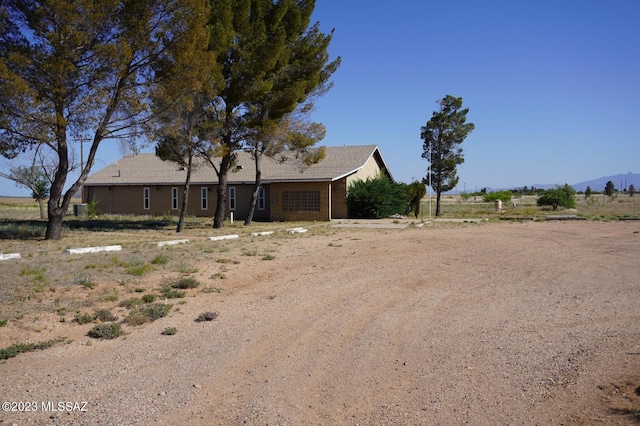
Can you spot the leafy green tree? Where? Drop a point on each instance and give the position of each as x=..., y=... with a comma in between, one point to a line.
x=81, y=69
x=34, y=178
x=376, y=198
x=587, y=192
x=442, y=135
x=559, y=196
x=271, y=61
x=416, y=192
x=609, y=189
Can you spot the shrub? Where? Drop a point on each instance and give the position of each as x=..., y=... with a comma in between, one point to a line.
x=106, y=331
x=83, y=318
x=376, y=198
x=186, y=283
x=160, y=259
x=148, y=313
x=559, y=196
x=504, y=196
x=104, y=315
x=149, y=298
x=3, y=322
x=20, y=348
x=131, y=303
x=170, y=293
x=169, y=331
x=207, y=316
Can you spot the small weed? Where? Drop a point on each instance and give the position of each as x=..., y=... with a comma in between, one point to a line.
x=186, y=283
x=110, y=297
x=104, y=315
x=218, y=275
x=3, y=322
x=139, y=269
x=130, y=303
x=271, y=296
x=207, y=316
x=187, y=269
x=250, y=253
x=106, y=331
x=36, y=274
x=223, y=260
x=211, y=289
x=169, y=331
x=268, y=257
x=139, y=290
x=149, y=298
x=160, y=259
x=84, y=281
x=148, y=313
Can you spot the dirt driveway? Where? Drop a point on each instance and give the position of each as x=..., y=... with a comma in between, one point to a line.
x=509, y=323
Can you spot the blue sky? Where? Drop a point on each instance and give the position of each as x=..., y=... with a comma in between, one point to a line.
x=553, y=87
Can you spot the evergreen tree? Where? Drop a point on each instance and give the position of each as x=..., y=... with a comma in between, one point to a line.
x=609, y=189
x=587, y=192
x=442, y=136
x=81, y=69
x=632, y=190
x=271, y=61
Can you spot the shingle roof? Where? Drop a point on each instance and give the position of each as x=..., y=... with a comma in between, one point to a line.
x=144, y=169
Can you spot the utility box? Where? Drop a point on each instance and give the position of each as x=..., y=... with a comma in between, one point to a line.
x=80, y=210
x=498, y=205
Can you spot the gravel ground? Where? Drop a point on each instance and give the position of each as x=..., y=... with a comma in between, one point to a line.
x=509, y=323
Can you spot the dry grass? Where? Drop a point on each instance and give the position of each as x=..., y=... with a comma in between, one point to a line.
x=46, y=281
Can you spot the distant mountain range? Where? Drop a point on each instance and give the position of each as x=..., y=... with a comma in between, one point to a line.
x=620, y=182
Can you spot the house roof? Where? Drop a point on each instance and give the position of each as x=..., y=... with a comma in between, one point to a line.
x=143, y=169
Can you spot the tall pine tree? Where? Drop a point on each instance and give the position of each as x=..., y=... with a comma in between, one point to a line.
x=442, y=136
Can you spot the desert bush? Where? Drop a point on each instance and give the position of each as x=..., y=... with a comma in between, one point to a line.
x=84, y=281
x=169, y=331
x=148, y=313
x=83, y=318
x=160, y=259
x=186, y=283
x=130, y=303
x=3, y=322
x=20, y=348
x=106, y=331
x=17, y=231
x=206, y=316
x=104, y=315
x=149, y=298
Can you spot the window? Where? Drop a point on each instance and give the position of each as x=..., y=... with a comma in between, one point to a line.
x=146, y=201
x=261, y=199
x=295, y=201
x=174, y=198
x=204, y=202
x=232, y=198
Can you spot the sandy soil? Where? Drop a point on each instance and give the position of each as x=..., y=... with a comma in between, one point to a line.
x=509, y=323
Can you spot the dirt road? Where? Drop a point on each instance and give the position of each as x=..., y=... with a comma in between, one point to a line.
x=510, y=323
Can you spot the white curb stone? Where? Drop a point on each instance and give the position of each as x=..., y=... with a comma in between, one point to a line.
x=298, y=230
x=93, y=249
x=224, y=237
x=9, y=256
x=259, y=234
x=171, y=243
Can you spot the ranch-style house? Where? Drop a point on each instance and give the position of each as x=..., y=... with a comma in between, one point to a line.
x=144, y=184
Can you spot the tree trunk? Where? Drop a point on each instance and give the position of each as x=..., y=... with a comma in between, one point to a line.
x=256, y=189
x=42, y=213
x=185, y=196
x=54, y=226
x=221, y=202
x=438, y=193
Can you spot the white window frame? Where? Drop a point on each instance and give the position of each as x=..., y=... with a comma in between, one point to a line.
x=174, y=198
x=262, y=202
x=232, y=198
x=146, y=198
x=204, y=198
